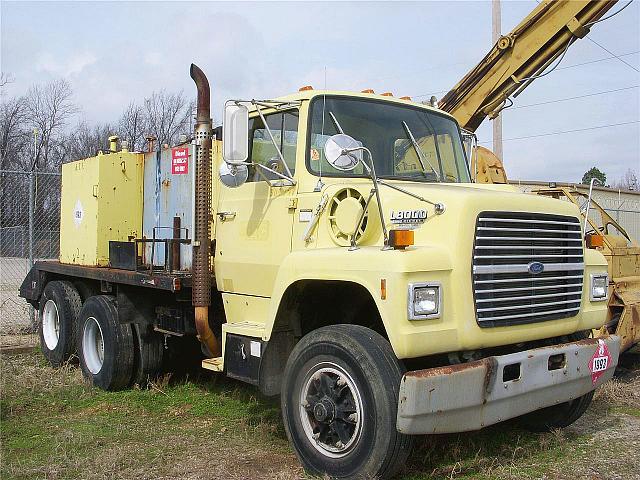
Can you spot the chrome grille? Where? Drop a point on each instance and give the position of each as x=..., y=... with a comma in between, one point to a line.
x=506, y=292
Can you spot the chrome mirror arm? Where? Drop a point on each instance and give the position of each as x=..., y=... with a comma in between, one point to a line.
x=374, y=178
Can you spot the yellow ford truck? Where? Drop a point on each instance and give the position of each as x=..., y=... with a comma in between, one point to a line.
x=330, y=248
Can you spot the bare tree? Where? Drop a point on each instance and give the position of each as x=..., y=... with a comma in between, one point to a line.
x=168, y=115
x=85, y=141
x=132, y=126
x=629, y=181
x=5, y=78
x=14, y=137
x=49, y=107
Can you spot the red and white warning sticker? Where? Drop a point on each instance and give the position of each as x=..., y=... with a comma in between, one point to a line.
x=180, y=161
x=600, y=361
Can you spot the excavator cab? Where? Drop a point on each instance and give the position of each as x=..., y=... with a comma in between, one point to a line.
x=484, y=165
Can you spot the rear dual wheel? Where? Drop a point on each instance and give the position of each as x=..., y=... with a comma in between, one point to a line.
x=59, y=308
x=106, y=345
x=114, y=355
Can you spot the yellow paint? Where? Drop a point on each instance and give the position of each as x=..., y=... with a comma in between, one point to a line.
x=101, y=201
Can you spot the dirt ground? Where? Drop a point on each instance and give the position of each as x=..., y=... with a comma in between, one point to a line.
x=202, y=426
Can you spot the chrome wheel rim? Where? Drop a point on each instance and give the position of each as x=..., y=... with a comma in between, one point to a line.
x=331, y=410
x=50, y=325
x=93, y=345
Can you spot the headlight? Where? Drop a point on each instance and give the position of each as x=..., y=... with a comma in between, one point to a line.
x=424, y=301
x=599, y=286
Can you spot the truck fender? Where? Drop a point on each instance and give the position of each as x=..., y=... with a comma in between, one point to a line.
x=363, y=267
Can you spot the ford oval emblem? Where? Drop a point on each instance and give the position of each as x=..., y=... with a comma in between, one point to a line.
x=536, y=267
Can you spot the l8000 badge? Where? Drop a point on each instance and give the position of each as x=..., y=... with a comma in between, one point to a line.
x=408, y=217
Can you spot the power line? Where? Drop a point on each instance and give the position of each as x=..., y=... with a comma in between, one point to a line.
x=575, y=98
x=599, y=60
x=611, y=53
x=568, y=131
x=557, y=69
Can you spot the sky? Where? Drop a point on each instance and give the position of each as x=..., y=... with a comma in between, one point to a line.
x=116, y=52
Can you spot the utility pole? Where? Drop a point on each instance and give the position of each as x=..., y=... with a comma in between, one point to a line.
x=497, y=122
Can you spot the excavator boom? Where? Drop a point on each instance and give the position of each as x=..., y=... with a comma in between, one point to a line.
x=519, y=57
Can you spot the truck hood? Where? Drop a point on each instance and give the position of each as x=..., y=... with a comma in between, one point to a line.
x=463, y=203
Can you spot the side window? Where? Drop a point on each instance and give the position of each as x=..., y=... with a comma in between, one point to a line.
x=284, y=128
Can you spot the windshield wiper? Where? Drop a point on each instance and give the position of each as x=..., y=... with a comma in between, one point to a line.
x=419, y=152
x=335, y=122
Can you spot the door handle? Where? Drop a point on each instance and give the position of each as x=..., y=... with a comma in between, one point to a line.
x=226, y=216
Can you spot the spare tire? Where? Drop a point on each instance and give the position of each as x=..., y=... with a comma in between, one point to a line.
x=106, y=346
x=58, y=312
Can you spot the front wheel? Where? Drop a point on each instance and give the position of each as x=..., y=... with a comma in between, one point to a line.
x=340, y=402
x=556, y=416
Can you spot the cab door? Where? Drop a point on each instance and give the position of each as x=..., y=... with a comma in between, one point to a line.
x=254, y=221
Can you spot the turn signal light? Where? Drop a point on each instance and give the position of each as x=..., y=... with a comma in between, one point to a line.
x=387, y=94
x=405, y=98
x=400, y=239
x=305, y=88
x=368, y=90
x=595, y=241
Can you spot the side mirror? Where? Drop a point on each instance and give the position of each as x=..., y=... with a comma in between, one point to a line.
x=233, y=175
x=334, y=152
x=235, y=133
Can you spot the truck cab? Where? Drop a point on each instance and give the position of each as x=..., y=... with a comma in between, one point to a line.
x=472, y=244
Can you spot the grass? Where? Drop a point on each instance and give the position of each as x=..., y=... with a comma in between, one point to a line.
x=55, y=426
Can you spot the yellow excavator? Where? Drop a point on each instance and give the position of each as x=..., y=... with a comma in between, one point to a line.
x=518, y=58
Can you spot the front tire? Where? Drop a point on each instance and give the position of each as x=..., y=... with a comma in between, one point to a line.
x=106, y=346
x=59, y=308
x=556, y=416
x=339, y=403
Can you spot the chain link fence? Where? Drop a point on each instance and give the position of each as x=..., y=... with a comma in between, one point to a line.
x=29, y=231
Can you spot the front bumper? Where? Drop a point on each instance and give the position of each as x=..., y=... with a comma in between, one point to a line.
x=473, y=395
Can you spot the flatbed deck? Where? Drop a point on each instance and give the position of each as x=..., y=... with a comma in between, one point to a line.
x=160, y=280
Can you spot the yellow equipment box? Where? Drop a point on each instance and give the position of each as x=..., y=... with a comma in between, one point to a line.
x=101, y=201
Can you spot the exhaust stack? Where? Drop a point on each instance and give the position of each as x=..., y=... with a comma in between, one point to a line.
x=201, y=290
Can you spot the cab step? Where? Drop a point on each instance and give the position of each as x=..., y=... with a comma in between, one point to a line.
x=246, y=329
x=214, y=364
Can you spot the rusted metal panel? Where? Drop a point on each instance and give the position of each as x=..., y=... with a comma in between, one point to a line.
x=168, y=194
x=474, y=395
x=156, y=280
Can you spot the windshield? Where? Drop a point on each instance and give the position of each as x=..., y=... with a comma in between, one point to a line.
x=407, y=143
